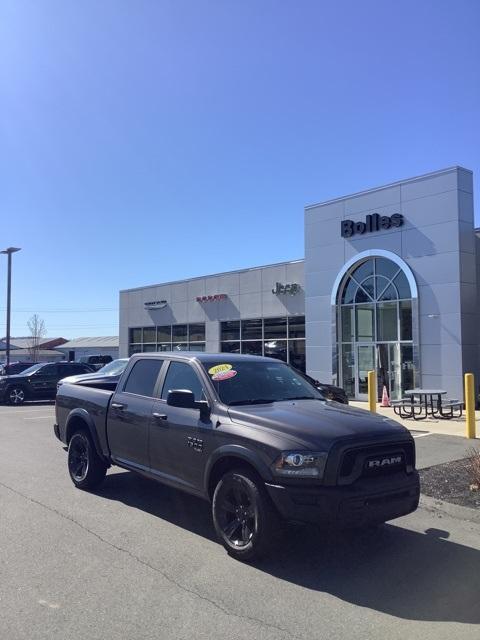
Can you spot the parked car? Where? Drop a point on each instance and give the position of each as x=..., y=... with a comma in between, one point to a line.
x=328, y=390
x=95, y=361
x=105, y=378
x=249, y=435
x=38, y=382
x=14, y=368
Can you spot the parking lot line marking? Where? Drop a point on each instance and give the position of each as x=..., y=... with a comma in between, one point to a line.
x=421, y=435
x=21, y=411
x=39, y=418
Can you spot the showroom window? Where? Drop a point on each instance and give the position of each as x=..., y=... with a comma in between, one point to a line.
x=282, y=338
x=176, y=337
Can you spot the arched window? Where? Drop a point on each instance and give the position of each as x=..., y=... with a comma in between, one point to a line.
x=374, y=312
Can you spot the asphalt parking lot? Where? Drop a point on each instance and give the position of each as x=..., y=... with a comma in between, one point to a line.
x=138, y=560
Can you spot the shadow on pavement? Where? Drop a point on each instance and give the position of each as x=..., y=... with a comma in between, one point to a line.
x=416, y=576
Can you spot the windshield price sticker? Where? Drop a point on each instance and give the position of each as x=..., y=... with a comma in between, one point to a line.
x=218, y=368
x=224, y=375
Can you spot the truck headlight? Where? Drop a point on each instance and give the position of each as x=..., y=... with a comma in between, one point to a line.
x=301, y=464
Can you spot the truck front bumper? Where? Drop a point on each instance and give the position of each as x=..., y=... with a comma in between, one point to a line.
x=56, y=430
x=367, y=501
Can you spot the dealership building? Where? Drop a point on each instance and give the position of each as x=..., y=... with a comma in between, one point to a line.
x=389, y=282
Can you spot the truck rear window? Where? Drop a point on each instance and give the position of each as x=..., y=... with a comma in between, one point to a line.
x=143, y=377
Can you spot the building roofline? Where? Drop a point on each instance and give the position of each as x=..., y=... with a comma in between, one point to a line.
x=214, y=275
x=388, y=186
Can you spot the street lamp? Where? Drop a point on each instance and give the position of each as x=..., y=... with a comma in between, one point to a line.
x=9, y=252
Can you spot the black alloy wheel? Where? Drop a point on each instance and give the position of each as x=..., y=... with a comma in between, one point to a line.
x=86, y=468
x=245, y=520
x=16, y=395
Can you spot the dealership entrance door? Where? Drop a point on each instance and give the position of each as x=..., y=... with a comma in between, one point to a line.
x=393, y=364
x=374, y=310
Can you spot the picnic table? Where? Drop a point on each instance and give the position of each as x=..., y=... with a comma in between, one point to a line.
x=422, y=403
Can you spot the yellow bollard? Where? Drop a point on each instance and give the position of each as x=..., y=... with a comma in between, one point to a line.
x=469, y=405
x=372, y=392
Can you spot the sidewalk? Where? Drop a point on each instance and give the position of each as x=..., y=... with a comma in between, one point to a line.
x=453, y=427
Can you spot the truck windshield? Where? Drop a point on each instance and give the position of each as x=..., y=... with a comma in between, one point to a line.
x=240, y=382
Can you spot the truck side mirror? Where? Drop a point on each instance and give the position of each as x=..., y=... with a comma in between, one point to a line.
x=182, y=398
x=185, y=399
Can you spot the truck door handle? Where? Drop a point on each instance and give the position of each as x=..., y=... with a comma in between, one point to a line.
x=118, y=405
x=159, y=416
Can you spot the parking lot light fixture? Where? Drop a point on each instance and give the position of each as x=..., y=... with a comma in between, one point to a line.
x=9, y=252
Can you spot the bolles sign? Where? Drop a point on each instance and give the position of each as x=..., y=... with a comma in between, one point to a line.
x=374, y=222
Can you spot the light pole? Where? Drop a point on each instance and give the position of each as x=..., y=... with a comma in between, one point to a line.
x=9, y=252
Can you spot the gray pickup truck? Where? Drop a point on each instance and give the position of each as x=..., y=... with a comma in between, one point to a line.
x=248, y=434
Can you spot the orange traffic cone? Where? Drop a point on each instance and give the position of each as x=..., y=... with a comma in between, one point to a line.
x=385, y=399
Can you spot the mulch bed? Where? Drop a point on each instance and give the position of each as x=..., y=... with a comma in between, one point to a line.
x=450, y=482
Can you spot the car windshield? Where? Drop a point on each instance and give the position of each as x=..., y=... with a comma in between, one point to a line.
x=32, y=369
x=114, y=368
x=240, y=382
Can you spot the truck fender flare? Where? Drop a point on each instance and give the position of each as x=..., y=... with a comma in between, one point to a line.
x=242, y=453
x=85, y=417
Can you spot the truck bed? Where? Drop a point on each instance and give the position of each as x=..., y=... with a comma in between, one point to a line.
x=88, y=402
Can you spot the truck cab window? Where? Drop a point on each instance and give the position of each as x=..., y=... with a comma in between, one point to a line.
x=143, y=377
x=182, y=376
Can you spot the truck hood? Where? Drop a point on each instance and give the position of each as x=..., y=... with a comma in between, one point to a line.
x=315, y=423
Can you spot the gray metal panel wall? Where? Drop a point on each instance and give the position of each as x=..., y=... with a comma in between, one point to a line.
x=437, y=242
x=249, y=295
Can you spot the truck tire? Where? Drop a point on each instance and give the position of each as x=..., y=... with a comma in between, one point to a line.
x=87, y=470
x=16, y=395
x=244, y=517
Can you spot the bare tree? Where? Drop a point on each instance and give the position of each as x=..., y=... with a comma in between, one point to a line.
x=37, y=330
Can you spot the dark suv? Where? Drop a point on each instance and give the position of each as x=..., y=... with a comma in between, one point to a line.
x=15, y=367
x=39, y=382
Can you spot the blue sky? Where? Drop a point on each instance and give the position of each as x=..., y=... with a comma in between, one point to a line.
x=143, y=141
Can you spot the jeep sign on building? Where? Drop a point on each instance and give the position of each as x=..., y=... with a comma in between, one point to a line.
x=389, y=282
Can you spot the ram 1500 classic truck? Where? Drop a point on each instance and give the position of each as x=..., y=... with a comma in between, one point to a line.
x=249, y=434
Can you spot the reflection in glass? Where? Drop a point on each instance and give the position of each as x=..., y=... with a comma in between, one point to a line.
x=349, y=292
x=407, y=367
x=348, y=324
x=296, y=353
x=275, y=328
x=196, y=346
x=406, y=320
x=363, y=271
x=385, y=268
x=402, y=285
x=164, y=334
x=348, y=370
x=230, y=330
x=252, y=347
x=364, y=322
x=296, y=327
x=196, y=332
x=135, y=335
x=230, y=347
x=179, y=333
x=149, y=334
x=387, y=327
x=275, y=349
x=252, y=329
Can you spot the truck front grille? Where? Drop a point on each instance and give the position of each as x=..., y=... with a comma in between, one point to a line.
x=377, y=460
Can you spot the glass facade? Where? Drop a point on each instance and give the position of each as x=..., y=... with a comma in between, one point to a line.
x=375, y=328
x=282, y=338
x=176, y=337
